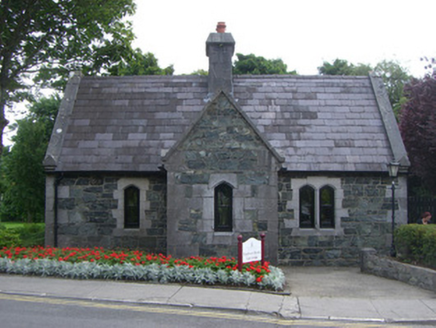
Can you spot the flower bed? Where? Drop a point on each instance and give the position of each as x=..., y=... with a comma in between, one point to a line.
x=98, y=263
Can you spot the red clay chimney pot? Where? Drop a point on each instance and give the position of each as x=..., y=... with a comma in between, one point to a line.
x=221, y=27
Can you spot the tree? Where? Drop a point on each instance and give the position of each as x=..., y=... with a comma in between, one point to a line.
x=394, y=77
x=42, y=113
x=140, y=64
x=251, y=64
x=45, y=111
x=342, y=67
x=46, y=39
x=23, y=178
x=201, y=72
x=418, y=128
x=24, y=174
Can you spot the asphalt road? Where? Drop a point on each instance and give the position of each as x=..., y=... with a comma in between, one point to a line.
x=19, y=311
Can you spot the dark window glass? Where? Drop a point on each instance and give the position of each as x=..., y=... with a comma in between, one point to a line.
x=327, y=207
x=307, y=207
x=131, y=207
x=223, y=207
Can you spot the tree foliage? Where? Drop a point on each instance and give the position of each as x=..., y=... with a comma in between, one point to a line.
x=395, y=77
x=23, y=178
x=140, y=64
x=343, y=67
x=23, y=172
x=256, y=65
x=49, y=38
x=201, y=72
x=418, y=128
x=45, y=110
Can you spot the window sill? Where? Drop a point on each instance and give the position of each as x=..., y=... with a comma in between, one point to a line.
x=223, y=233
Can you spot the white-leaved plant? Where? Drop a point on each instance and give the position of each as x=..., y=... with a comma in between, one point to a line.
x=161, y=273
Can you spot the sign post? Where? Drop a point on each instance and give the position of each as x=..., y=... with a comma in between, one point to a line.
x=250, y=251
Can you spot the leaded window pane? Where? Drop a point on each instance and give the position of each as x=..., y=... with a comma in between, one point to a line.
x=327, y=207
x=223, y=207
x=307, y=207
x=131, y=207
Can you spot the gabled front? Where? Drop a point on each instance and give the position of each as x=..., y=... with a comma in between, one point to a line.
x=222, y=182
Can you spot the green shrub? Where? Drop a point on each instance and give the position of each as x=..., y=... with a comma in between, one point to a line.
x=26, y=235
x=31, y=234
x=416, y=243
x=429, y=248
x=8, y=237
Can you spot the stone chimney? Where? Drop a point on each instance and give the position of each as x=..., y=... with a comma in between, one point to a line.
x=220, y=47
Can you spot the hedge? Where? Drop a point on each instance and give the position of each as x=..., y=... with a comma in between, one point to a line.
x=27, y=235
x=416, y=243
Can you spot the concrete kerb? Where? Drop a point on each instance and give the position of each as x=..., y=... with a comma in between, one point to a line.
x=336, y=294
x=281, y=314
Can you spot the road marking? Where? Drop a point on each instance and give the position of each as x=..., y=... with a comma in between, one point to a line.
x=189, y=312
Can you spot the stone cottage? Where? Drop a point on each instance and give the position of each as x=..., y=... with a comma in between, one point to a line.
x=184, y=164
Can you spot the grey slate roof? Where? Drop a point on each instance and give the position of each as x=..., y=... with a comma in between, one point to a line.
x=317, y=123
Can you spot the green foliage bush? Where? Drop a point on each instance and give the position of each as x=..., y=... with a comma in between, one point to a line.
x=429, y=247
x=8, y=237
x=31, y=235
x=416, y=243
x=27, y=235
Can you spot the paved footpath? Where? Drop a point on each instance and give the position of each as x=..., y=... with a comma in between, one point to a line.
x=311, y=293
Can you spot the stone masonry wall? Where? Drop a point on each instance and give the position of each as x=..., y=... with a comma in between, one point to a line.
x=221, y=147
x=387, y=267
x=90, y=212
x=365, y=221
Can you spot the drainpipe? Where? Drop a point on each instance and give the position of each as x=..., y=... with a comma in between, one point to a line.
x=55, y=232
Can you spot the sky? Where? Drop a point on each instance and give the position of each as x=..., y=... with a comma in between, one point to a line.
x=303, y=33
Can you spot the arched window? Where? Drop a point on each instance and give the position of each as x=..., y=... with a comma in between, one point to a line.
x=223, y=207
x=307, y=207
x=327, y=207
x=131, y=208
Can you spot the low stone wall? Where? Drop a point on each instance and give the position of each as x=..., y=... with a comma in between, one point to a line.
x=370, y=262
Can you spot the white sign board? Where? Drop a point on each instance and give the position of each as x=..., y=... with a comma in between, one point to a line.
x=251, y=250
